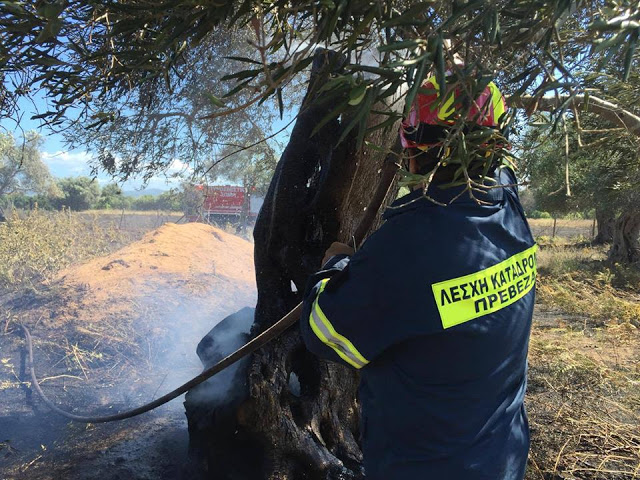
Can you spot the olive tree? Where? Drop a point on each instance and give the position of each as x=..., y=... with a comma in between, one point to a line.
x=21, y=167
x=600, y=166
x=109, y=63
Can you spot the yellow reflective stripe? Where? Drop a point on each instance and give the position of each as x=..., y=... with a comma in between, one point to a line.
x=433, y=81
x=471, y=296
x=497, y=102
x=446, y=109
x=316, y=326
x=328, y=335
x=342, y=342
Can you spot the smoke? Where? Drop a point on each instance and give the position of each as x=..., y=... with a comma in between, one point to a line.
x=184, y=336
x=111, y=340
x=228, y=386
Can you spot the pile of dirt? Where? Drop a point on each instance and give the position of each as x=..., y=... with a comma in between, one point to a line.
x=175, y=266
x=129, y=323
x=112, y=334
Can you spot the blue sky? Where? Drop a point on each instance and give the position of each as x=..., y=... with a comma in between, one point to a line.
x=63, y=162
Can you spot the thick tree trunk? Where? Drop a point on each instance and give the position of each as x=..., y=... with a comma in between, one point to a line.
x=302, y=411
x=626, y=244
x=605, y=222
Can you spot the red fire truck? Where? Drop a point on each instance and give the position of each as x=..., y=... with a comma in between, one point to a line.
x=229, y=204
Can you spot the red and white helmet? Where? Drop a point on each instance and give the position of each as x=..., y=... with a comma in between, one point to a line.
x=430, y=116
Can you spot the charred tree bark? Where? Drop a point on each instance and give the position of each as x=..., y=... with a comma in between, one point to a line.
x=626, y=244
x=605, y=222
x=304, y=411
x=300, y=413
x=318, y=193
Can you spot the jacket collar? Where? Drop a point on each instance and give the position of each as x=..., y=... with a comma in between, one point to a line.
x=418, y=199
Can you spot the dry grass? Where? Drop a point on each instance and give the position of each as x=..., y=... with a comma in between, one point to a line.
x=584, y=379
x=579, y=280
x=577, y=230
x=145, y=213
x=36, y=246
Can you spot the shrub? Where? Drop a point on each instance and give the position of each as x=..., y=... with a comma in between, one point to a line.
x=36, y=246
x=539, y=214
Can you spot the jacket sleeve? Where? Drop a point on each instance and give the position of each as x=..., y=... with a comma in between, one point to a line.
x=314, y=328
x=355, y=308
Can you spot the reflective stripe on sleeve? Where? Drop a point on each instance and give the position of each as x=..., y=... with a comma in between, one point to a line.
x=323, y=329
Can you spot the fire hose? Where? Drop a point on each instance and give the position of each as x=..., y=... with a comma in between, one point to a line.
x=389, y=169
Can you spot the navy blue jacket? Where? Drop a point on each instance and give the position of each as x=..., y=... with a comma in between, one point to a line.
x=435, y=308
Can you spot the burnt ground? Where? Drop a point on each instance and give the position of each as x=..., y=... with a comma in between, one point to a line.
x=581, y=399
x=36, y=443
x=154, y=447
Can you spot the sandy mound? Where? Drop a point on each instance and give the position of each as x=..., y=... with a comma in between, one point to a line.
x=190, y=269
x=113, y=334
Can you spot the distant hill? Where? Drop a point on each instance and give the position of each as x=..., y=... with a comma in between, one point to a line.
x=146, y=191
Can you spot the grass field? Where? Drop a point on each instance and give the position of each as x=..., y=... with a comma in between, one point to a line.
x=569, y=229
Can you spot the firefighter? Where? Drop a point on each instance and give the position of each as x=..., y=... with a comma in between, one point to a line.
x=435, y=311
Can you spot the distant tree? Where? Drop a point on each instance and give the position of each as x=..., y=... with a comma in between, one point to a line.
x=603, y=172
x=584, y=163
x=111, y=197
x=191, y=199
x=528, y=201
x=78, y=193
x=22, y=170
x=145, y=202
x=251, y=168
x=28, y=202
x=166, y=201
x=170, y=201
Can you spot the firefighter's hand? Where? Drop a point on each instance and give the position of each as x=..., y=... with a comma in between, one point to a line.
x=337, y=248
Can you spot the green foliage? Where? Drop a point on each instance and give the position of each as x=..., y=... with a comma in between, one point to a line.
x=23, y=201
x=527, y=200
x=168, y=201
x=192, y=199
x=603, y=163
x=539, y=214
x=144, y=202
x=83, y=193
x=118, y=65
x=21, y=168
x=174, y=124
x=111, y=198
x=251, y=168
x=78, y=193
x=35, y=247
x=573, y=216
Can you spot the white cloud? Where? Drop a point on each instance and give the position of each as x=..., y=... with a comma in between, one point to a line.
x=67, y=164
x=178, y=167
